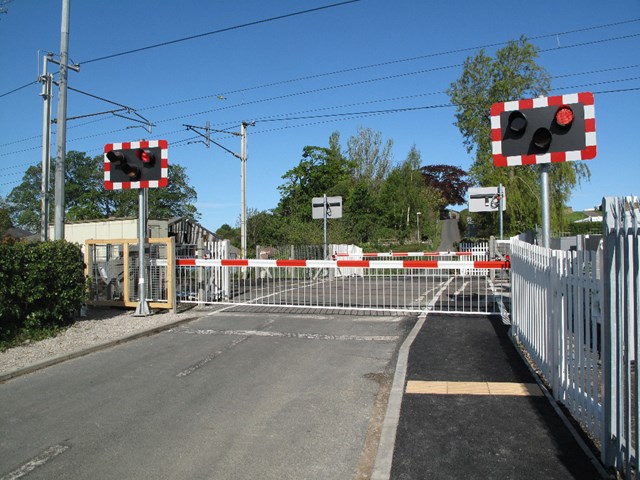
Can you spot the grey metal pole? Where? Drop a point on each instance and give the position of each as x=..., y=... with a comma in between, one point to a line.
x=61, y=137
x=325, y=226
x=243, y=189
x=46, y=79
x=143, y=308
x=546, y=217
x=500, y=207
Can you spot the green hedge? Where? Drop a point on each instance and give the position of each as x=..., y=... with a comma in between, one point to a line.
x=42, y=286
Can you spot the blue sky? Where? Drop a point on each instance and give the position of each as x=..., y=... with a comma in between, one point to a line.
x=347, y=59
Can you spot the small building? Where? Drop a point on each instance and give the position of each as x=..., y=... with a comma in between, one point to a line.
x=185, y=231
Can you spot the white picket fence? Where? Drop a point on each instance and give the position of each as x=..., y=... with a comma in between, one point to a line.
x=556, y=315
x=576, y=314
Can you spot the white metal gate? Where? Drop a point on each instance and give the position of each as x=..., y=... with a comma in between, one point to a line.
x=452, y=286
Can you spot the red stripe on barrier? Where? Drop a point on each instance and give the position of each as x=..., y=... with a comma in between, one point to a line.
x=352, y=263
x=291, y=263
x=420, y=264
x=234, y=263
x=399, y=254
x=491, y=264
x=186, y=262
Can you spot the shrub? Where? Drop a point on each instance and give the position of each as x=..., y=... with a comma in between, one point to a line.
x=42, y=286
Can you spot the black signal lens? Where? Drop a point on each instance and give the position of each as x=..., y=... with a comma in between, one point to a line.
x=517, y=122
x=542, y=139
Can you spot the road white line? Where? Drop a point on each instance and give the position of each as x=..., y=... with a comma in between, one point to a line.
x=461, y=289
x=305, y=336
x=437, y=296
x=49, y=454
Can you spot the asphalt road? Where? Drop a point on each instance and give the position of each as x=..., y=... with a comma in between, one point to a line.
x=229, y=396
x=449, y=235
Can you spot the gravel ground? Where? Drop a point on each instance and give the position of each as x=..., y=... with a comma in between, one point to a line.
x=102, y=325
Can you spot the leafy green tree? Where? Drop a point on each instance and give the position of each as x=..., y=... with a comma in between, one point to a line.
x=86, y=198
x=227, y=232
x=5, y=217
x=404, y=194
x=321, y=170
x=511, y=75
x=370, y=159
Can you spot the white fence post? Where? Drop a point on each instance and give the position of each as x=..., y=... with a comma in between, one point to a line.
x=620, y=346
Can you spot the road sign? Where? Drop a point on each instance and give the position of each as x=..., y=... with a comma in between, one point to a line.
x=333, y=206
x=486, y=199
x=543, y=130
x=141, y=164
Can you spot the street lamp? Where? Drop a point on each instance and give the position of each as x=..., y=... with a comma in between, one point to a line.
x=418, y=224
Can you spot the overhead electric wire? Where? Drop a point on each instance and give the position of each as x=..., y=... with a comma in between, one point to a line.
x=391, y=62
x=19, y=88
x=360, y=82
x=222, y=30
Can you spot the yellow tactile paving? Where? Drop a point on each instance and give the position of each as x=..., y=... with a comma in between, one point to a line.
x=473, y=388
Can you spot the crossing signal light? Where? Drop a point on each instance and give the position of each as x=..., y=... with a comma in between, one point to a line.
x=543, y=130
x=146, y=156
x=118, y=159
x=136, y=165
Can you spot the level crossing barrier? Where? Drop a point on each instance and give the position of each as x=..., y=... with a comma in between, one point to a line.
x=381, y=285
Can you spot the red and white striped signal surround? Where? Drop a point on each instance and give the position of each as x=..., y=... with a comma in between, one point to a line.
x=587, y=153
x=164, y=165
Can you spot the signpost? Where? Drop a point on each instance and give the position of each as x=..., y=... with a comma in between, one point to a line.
x=325, y=207
x=140, y=165
x=488, y=199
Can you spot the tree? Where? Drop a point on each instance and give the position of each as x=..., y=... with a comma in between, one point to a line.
x=371, y=161
x=512, y=75
x=448, y=180
x=86, y=198
x=227, y=232
x=321, y=170
x=5, y=217
x=404, y=194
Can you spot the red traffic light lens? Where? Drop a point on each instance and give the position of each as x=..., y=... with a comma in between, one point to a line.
x=564, y=116
x=146, y=156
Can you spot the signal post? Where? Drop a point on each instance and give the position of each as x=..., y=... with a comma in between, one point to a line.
x=140, y=165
